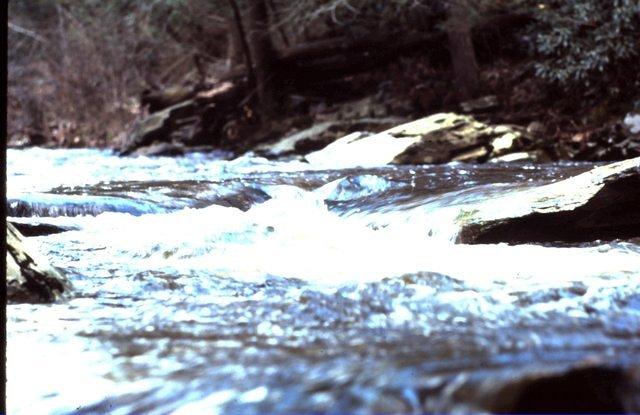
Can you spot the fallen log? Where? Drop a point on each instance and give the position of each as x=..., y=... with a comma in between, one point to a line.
x=312, y=64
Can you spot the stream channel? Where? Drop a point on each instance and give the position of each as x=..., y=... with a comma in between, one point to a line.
x=205, y=285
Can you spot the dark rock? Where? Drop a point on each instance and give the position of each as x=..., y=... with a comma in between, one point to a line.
x=156, y=127
x=39, y=229
x=197, y=119
x=614, y=141
x=30, y=278
x=599, y=204
x=588, y=387
x=580, y=390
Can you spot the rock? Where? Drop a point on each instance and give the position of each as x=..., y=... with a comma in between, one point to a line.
x=320, y=135
x=160, y=149
x=486, y=103
x=586, y=387
x=610, y=142
x=195, y=121
x=30, y=278
x=535, y=156
x=439, y=138
x=632, y=122
x=287, y=144
x=536, y=129
x=156, y=127
x=599, y=204
x=29, y=229
x=157, y=100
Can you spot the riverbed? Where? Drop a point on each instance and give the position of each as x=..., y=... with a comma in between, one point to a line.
x=204, y=284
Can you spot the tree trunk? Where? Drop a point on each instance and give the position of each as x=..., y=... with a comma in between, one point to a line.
x=263, y=54
x=278, y=23
x=242, y=38
x=37, y=130
x=234, y=45
x=463, y=58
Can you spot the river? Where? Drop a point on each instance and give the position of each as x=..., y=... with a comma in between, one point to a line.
x=206, y=285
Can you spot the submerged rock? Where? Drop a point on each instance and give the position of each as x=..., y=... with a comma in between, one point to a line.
x=603, y=203
x=439, y=138
x=590, y=387
x=30, y=278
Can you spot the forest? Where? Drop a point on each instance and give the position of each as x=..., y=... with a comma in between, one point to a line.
x=83, y=73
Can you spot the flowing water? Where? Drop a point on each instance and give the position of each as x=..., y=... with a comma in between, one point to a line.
x=203, y=285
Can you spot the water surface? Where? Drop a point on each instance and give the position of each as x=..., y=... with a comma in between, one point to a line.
x=205, y=285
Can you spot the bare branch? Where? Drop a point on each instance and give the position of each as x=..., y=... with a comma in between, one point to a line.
x=29, y=33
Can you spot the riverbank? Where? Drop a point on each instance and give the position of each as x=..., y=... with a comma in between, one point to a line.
x=561, y=128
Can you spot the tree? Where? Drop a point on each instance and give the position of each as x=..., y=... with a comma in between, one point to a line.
x=463, y=58
x=263, y=55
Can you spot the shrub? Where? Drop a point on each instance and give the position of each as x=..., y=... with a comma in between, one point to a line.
x=587, y=44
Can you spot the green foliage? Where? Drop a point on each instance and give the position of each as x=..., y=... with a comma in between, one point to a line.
x=587, y=43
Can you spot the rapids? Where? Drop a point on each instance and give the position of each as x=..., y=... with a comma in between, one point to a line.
x=207, y=285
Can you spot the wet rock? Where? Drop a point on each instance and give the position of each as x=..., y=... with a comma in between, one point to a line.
x=320, y=135
x=590, y=389
x=287, y=144
x=439, y=138
x=599, y=204
x=30, y=278
x=160, y=149
x=54, y=205
x=583, y=388
x=536, y=156
x=29, y=229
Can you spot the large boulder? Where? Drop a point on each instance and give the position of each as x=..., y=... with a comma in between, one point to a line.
x=439, y=138
x=320, y=135
x=157, y=127
x=603, y=203
x=30, y=278
x=195, y=121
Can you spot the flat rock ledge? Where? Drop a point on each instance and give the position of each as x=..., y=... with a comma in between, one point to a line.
x=601, y=204
x=30, y=278
x=439, y=138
